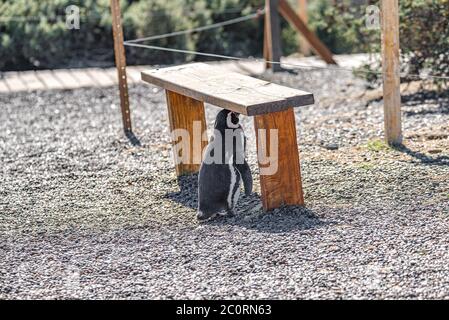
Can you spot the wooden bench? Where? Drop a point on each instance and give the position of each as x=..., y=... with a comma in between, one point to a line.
x=189, y=86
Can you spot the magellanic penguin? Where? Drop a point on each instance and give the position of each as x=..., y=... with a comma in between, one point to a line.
x=223, y=169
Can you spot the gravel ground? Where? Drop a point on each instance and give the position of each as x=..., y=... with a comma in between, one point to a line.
x=85, y=213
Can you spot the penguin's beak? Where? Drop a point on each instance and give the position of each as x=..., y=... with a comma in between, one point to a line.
x=235, y=113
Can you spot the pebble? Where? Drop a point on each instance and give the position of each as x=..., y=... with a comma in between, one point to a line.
x=87, y=214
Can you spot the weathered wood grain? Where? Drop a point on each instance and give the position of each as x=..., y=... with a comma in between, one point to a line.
x=266, y=53
x=64, y=77
x=272, y=36
x=391, y=76
x=284, y=187
x=289, y=14
x=15, y=82
x=304, y=46
x=120, y=62
x=183, y=112
x=48, y=78
x=232, y=91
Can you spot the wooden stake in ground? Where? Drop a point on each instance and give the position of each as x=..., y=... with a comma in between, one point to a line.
x=304, y=46
x=120, y=62
x=272, y=35
x=290, y=15
x=391, y=76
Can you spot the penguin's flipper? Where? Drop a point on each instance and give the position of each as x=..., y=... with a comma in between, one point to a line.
x=245, y=173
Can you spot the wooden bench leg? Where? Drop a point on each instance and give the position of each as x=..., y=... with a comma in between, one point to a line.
x=188, y=115
x=282, y=187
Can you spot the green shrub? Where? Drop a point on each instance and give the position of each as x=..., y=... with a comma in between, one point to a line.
x=159, y=16
x=424, y=26
x=40, y=39
x=424, y=33
x=340, y=26
x=43, y=41
x=146, y=18
x=34, y=34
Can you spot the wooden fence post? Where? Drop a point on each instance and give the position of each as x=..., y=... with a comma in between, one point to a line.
x=290, y=15
x=304, y=46
x=272, y=35
x=391, y=71
x=120, y=62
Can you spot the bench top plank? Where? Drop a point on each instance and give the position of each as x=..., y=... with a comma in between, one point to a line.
x=229, y=90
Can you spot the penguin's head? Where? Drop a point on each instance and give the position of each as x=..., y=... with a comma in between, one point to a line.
x=227, y=120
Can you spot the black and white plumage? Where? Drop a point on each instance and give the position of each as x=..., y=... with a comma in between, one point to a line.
x=223, y=169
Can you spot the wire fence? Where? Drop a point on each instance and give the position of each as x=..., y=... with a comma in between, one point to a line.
x=255, y=15
x=251, y=16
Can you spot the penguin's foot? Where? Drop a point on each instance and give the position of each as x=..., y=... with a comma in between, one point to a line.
x=204, y=216
x=229, y=213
